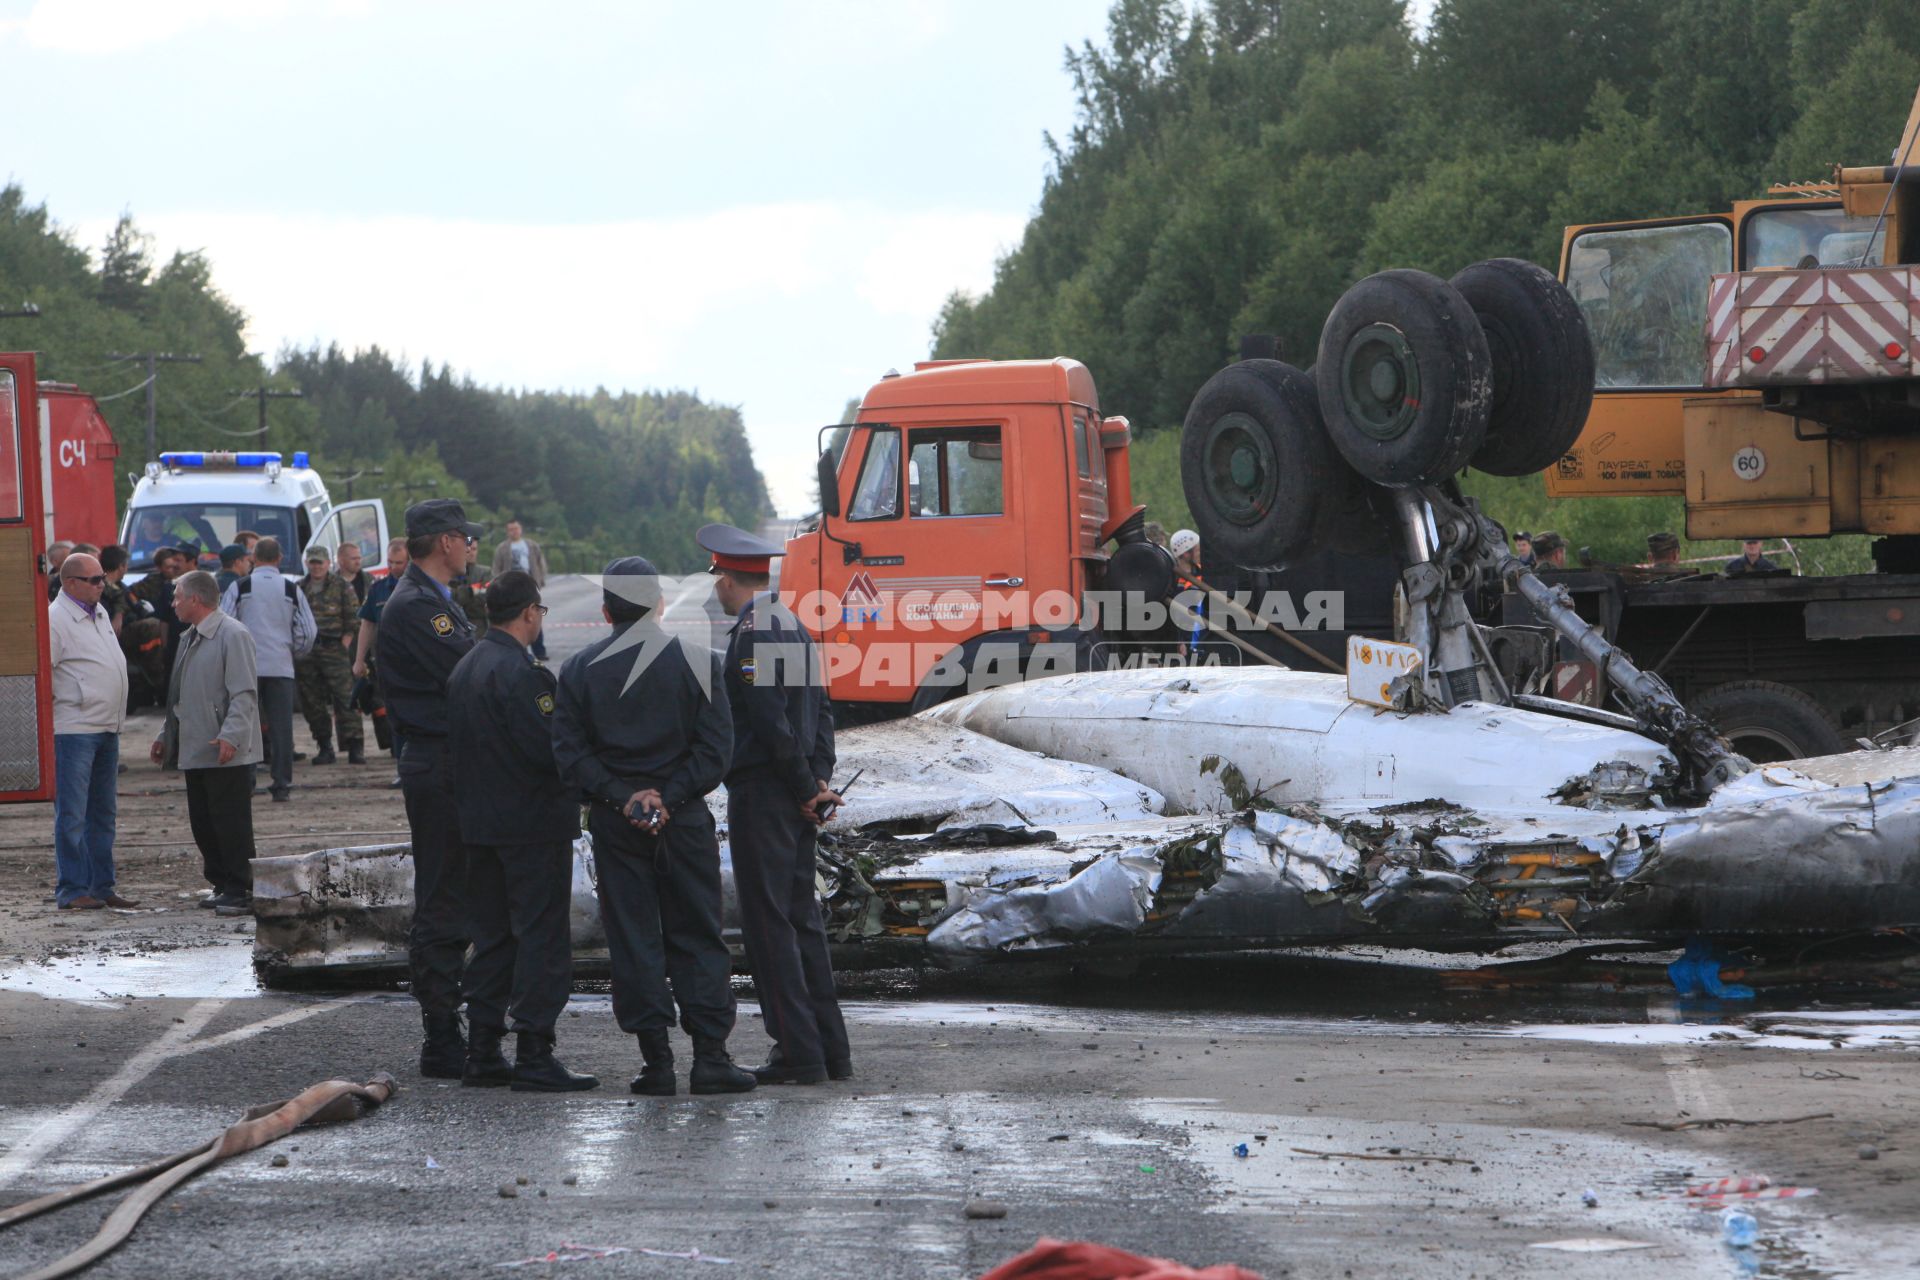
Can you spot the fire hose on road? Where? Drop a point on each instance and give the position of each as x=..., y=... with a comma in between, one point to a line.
x=329, y=1102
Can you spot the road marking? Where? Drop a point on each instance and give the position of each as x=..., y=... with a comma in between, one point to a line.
x=274, y=1023
x=1694, y=1091
x=176, y=1041
x=107, y=1092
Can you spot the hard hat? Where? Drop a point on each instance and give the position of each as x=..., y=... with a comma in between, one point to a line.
x=1183, y=541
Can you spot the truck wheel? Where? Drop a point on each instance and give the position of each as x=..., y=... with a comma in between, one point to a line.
x=1404, y=378
x=1254, y=463
x=1767, y=722
x=1542, y=360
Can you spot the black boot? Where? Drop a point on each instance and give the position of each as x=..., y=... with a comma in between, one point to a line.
x=536, y=1070
x=444, y=1055
x=713, y=1070
x=487, y=1067
x=656, y=1078
x=775, y=1070
x=325, y=754
x=356, y=755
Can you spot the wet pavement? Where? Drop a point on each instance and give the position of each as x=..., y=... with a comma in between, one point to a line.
x=1461, y=1130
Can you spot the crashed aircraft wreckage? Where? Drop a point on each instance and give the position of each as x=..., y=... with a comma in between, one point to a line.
x=1425, y=801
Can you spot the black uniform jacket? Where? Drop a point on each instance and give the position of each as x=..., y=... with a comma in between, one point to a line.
x=782, y=717
x=500, y=713
x=423, y=635
x=631, y=714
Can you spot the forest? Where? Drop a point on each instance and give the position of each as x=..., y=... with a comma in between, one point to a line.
x=1235, y=165
x=591, y=475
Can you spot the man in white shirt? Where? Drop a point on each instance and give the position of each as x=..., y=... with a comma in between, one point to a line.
x=276, y=612
x=89, y=709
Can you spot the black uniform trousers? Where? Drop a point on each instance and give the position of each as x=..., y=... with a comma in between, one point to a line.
x=660, y=903
x=773, y=876
x=220, y=811
x=437, y=941
x=518, y=898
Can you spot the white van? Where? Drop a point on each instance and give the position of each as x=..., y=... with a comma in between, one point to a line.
x=201, y=500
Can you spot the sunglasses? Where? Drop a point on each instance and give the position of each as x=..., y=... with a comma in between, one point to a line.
x=97, y=580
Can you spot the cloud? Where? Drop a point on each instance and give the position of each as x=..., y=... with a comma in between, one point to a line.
x=767, y=306
x=115, y=26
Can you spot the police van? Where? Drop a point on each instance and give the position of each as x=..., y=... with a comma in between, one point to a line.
x=200, y=501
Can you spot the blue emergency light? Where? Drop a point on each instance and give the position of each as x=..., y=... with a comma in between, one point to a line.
x=300, y=458
x=221, y=461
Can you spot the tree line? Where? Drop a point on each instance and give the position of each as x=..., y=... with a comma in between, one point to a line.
x=1235, y=165
x=592, y=475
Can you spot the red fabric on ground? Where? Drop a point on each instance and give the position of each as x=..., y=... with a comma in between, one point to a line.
x=1080, y=1260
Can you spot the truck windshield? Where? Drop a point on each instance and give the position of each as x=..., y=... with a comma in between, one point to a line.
x=203, y=529
x=1644, y=292
x=1810, y=238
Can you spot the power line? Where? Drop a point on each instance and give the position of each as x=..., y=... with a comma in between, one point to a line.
x=209, y=423
x=154, y=359
x=144, y=382
x=264, y=394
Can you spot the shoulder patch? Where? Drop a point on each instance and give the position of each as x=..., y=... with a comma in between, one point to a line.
x=747, y=669
x=545, y=703
x=443, y=624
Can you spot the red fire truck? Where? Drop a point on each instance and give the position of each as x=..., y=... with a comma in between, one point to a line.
x=26, y=677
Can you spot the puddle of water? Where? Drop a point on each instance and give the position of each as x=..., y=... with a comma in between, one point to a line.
x=1855, y=1028
x=1518, y=1189
x=220, y=971
x=1873, y=1030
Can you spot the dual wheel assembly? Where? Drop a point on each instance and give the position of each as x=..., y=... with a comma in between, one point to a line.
x=1416, y=377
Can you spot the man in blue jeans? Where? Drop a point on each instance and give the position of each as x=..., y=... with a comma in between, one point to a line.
x=89, y=709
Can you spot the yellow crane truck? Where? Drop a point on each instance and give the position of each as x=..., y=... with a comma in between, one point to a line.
x=1761, y=364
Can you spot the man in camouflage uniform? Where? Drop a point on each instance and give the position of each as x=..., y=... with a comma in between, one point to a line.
x=326, y=675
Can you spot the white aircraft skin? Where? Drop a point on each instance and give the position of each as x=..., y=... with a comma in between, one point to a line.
x=1296, y=738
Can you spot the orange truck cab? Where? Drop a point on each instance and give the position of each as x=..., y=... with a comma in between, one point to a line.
x=965, y=519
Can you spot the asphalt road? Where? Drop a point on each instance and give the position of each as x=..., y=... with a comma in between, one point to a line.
x=1460, y=1144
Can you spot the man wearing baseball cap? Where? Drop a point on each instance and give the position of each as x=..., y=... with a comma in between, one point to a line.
x=423, y=635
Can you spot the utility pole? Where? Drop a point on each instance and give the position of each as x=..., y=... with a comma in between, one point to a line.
x=154, y=359
x=264, y=394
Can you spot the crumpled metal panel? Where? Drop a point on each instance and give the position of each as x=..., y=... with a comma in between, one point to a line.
x=1107, y=898
x=1834, y=859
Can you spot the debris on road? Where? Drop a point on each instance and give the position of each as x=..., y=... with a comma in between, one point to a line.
x=1675, y=1126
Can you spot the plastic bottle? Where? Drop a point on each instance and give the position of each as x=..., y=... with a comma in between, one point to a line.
x=1739, y=1228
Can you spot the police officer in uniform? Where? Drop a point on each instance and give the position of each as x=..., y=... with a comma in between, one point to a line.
x=423, y=635
x=641, y=729
x=519, y=822
x=777, y=794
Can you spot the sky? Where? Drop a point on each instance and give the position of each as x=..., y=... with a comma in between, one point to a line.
x=762, y=202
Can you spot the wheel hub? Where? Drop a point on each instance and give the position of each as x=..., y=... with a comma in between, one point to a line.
x=1241, y=474
x=1382, y=382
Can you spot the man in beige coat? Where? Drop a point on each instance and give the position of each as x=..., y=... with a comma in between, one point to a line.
x=212, y=735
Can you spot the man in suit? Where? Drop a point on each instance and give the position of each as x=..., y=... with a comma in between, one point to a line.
x=212, y=735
